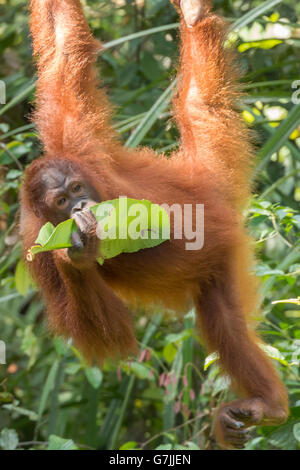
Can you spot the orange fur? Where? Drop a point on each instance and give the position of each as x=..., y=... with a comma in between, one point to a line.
x=212, y=167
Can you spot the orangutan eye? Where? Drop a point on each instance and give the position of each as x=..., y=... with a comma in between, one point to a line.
x=61, y=202
x=76, y=188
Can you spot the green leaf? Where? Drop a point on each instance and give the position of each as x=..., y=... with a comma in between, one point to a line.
x=169, y=352
x=129, y=445
x=264, y=44
x=211, y=359
x=45, y=233
x=73, y=368
x=9, y=439
x=49, y=385
x=296, y=431
x=53, y=238
x=94, y=376
x=139, y=370
x=30, y=345
x=164, y=447
x=283, y=437
x=13, y=174
x=192, y=446
x=58, y=443
x=61, y=346
x=272, y=352
x=263, y=270
x=179, y=337
x=23, y=279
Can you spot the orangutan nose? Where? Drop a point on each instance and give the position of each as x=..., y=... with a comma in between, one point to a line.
x=80, y=206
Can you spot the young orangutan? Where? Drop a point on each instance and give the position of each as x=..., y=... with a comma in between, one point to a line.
x=84, y=162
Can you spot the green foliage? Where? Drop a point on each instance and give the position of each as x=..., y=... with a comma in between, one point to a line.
x=57, y=443
x=49, y=397
x=8, y=439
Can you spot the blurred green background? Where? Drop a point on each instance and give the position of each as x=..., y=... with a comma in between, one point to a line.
x=49, y=397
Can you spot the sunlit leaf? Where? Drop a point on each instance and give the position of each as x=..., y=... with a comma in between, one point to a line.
x=9, y=439
x=23, y=279
x=211, y=359
x=272, y=352
x=265, y=44
x=94, y=376
x=58, y=443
